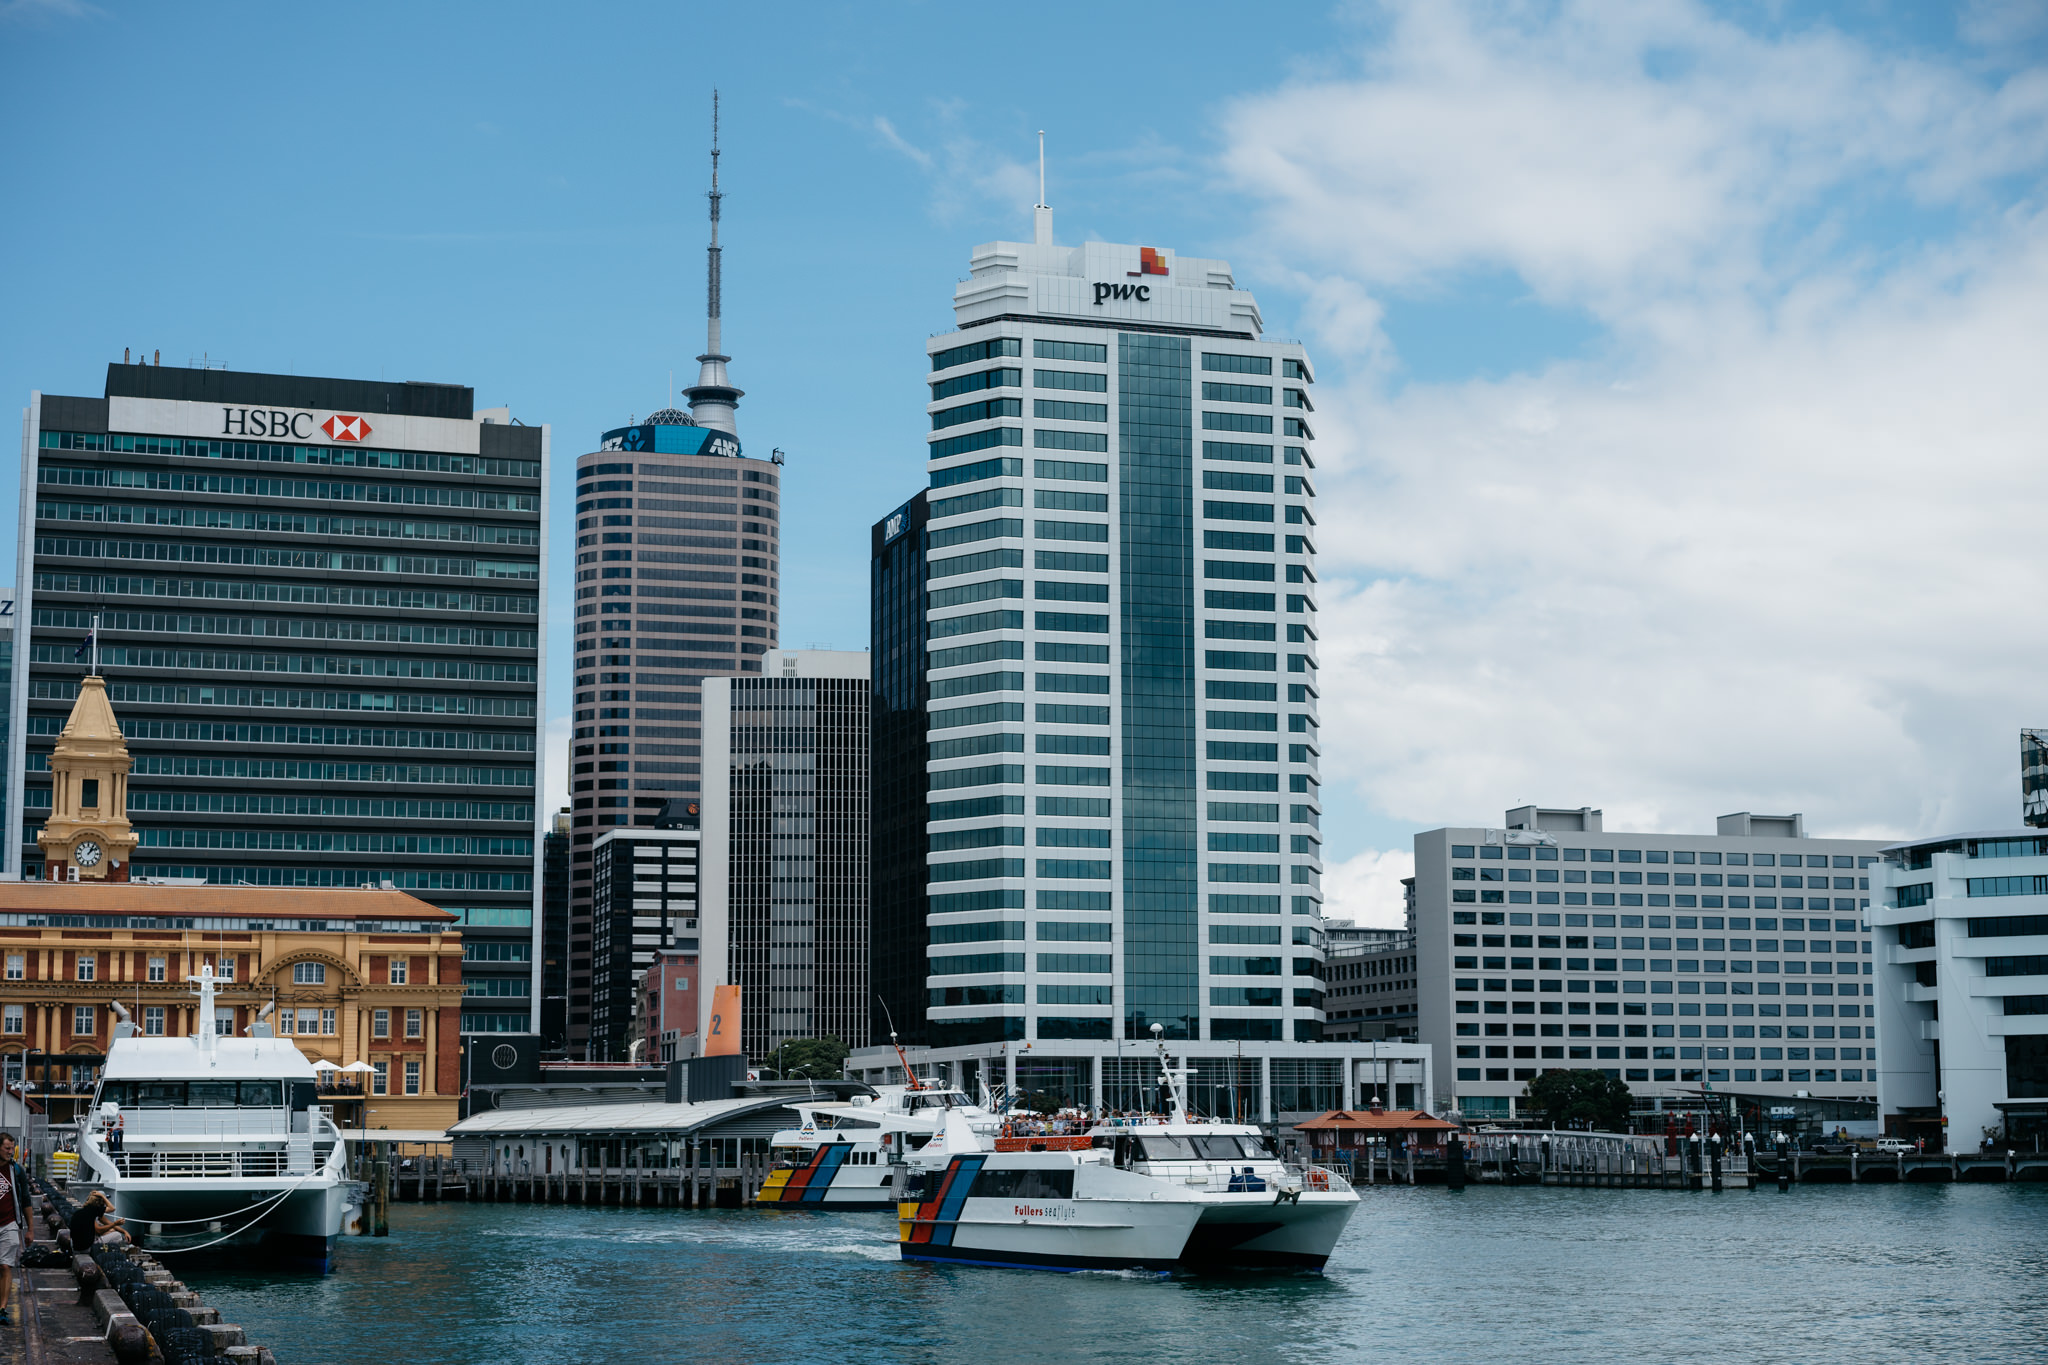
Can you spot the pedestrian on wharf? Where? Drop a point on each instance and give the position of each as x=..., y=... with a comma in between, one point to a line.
x=17, y=1229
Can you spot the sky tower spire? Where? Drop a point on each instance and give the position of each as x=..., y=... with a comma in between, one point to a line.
x=713, y=398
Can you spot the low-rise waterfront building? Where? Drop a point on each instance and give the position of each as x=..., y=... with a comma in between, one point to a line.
x=1673, y=962
x=668, y=1005
x=1268, y=1081
x=1962, y=988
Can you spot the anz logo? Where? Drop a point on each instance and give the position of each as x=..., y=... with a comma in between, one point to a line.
x=643, y=438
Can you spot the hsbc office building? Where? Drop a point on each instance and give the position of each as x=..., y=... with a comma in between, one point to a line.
x=320, y=610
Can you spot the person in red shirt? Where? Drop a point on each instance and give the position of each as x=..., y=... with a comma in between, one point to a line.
x=17, y=1229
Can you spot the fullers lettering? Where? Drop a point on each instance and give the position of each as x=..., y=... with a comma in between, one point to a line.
x=266, y=422
x=1141, y=292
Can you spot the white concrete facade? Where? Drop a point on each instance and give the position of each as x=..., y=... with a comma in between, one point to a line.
x=1962, y=986
x=1670, y=961
x=1122, y=608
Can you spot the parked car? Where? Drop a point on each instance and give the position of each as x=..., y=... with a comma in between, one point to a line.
x=1831, y=1147
x=1892, y=1146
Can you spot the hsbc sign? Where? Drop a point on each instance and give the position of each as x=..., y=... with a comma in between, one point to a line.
x=313, y=426
x=286, y=424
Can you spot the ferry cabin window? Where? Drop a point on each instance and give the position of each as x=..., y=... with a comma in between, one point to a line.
x=213, y=1095
x=1224, y=1147
x=1028, y=1183
x=179, y=1094
x=1165, y=1149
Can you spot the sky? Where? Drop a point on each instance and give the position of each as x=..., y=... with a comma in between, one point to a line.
x=1682, y=382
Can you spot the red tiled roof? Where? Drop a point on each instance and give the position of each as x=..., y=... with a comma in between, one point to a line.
x=249, y=902
x=1397, y=1120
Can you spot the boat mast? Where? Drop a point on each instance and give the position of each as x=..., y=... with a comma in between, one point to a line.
x=206, y=1034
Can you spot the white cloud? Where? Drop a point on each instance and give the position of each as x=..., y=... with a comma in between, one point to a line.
x=554, y=778
x=1776, y=548
x=1366, y=888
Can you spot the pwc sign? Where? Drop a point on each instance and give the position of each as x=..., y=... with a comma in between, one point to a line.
x=284, y=424
x=1150, y=262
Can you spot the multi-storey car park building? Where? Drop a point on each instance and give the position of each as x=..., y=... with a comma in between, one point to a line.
x=677, y=567
x=319, y=614
x=646, y=900
x=1737, y=960
x=786, y=848
x=1962, y=988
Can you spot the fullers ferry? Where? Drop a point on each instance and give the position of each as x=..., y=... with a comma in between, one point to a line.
x=847, y=1154
x=217, y=1142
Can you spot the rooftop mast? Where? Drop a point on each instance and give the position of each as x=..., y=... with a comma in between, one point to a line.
x=713, y=398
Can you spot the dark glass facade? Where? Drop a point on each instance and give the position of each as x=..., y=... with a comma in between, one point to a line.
x=1155, y=445
x=797, y=895
x=899, y=638
x=554, y=911
x=645, y=883
x=319, y=605
x=2034, y=777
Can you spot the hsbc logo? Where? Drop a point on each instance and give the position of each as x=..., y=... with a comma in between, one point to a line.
x=284, y=424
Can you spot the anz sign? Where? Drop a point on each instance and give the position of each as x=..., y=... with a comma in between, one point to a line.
x=668, y=440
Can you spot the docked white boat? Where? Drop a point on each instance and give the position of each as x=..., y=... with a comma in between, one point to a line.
x=1056, y=1203
x=221, y=1145
x=846, y=1154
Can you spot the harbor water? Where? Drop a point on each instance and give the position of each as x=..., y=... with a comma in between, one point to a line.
x=1818, y=1273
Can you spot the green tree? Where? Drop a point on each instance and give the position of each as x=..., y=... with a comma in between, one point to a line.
x=1579, y=1099
x=821, y=1059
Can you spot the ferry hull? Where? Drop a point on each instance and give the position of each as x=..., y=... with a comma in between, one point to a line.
x=1257, y=1232
x=1084, y=1234
x=299, y=1231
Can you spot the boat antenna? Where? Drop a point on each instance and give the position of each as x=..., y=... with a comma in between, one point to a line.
x=910, y=1077
x=205, y=1020
x=1169, y=1078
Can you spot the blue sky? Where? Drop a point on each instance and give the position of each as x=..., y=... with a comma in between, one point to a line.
x=1566, y=268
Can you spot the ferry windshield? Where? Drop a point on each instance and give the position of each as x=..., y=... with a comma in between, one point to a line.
x=1226, y=1147
x=1165, y=1149
x=200, y=1094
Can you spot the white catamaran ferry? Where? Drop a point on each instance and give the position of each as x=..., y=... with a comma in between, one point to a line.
x=221, y=1145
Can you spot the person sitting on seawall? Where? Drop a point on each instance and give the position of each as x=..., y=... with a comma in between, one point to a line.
x=17, y=1228
x=95, y=1223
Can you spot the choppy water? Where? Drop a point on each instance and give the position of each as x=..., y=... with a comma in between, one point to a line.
x=1831, y=1274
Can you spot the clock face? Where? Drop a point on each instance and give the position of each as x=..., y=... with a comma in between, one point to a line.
x=86, y=853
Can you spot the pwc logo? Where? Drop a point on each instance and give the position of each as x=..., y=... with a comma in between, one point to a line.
x=345, y=428
x=1150, y=262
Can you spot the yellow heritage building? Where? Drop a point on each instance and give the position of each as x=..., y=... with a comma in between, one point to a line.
x=367, y=976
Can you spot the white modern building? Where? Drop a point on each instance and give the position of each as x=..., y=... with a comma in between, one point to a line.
x=1962, y=987
x=1122, y=667
x=1737, y=960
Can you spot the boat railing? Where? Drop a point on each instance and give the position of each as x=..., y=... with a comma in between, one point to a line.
x=1320, y=1179
x=1046, y=1142
x=189, y=1122
x=219, y=1163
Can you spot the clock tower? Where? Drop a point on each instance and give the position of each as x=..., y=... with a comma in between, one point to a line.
x=87, y=837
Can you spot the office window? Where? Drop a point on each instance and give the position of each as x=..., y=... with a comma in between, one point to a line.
x=309, y=974
x=83, y=1023
x=158, y=969
x=380, y=1023
x=398, y=969
x=153, y=1021
x=12, y=1019
x=412, y=1078
x=17, y=966
x=327, y=1022
x=308, y=1021
x=225, y=969
x=412, y=1024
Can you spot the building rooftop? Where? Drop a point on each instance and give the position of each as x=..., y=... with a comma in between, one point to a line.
x=251, y=902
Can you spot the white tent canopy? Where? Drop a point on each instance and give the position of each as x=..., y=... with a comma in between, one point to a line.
x=324, y=1065
x=359, y=1066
